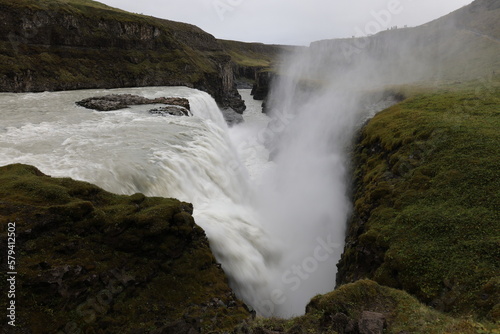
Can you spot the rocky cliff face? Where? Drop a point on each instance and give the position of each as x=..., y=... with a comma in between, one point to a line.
x=255, y=64
x=262, y=85
x=50, y=45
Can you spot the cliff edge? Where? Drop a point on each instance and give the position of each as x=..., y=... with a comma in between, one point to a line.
x=88, y=261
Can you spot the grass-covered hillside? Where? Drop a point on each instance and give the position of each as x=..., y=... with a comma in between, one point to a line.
x=367, y=307
x=255, y=54
x=88, y=261
x=51, y=4
x=427, y=199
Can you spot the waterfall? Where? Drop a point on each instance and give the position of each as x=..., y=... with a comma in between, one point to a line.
x=317, y=103
x=304, y=198
x=130, y=150
x=276, y=226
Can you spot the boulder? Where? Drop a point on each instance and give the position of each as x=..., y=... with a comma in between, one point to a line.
x=121, y=101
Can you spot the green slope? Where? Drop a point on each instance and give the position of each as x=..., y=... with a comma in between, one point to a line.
x=255, y=54
x=89, y=261
x=463, y=45
x=426, y=216
x=341, y=311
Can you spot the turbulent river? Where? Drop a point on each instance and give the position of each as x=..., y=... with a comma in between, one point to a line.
x=276, y=225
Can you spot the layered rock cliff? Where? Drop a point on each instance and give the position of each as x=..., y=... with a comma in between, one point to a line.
x=55, y=45
x=251, y=58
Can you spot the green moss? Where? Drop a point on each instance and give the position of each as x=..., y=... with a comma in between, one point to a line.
x=427, y=193
x=98, y=262
x=76, y=7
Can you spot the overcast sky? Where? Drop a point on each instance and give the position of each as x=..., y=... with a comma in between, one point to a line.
x=297, y=22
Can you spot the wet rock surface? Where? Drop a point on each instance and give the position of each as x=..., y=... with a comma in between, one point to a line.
x=170, y=111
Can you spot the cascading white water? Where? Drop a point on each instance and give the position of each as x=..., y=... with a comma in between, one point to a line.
x=129, y=151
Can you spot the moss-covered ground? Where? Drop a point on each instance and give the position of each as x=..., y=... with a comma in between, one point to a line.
x=89, y=261
x=428, y=197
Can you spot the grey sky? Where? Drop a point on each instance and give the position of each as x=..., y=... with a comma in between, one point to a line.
x=296, y=22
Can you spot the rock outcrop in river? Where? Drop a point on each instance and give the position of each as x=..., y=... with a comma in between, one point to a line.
x=120, y=101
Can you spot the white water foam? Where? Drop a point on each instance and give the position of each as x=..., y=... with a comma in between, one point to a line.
x=129, y=151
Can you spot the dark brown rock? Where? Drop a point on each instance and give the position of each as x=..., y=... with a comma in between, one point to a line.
x=231, y=117
x=338, y=322
x=262, y=85
x=170, y=111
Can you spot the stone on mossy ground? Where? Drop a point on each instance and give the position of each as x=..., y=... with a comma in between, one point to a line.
x=89, y=261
